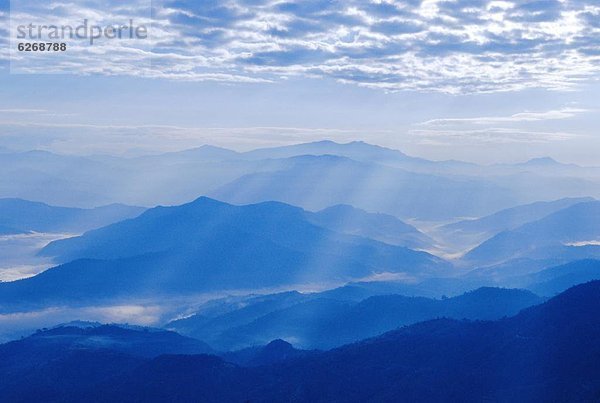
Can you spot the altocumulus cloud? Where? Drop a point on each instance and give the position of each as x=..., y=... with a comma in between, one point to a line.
x=453, y=46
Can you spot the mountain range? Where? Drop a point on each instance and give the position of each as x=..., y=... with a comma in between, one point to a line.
x=311, y=272
x=208, y=245
x=546, y=352
x=385, y=228
x=398, y=184
x=318, y=182
x=570, y=234
x=317, y=321
x=474, y=231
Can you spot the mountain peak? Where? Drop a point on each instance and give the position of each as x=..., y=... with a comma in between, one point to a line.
x=276, y=351
x=279, y=345
x=207, y=200
x=323, y=143
x=543, y=161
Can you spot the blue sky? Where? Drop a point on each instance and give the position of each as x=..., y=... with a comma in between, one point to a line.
x=477, y=80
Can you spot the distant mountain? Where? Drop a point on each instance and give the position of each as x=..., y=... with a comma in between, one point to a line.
x=571, y=233
x=54, y=179
x=17, y=215
x=545, y=353
x=547, y=166
x=317, y=321
x=99, y=180
x=543, y=277
x=208, y=245
x=381, y=227
x=478, y=230
x=504, y=273
x=542, y=161
x=318, y=182
x=356, y=150
x=434, y=287
x=365, y=152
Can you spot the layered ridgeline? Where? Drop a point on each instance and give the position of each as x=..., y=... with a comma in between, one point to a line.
x=21, y=216
x=327, y=320
x=554, y=280
x=472, y=232
x=568, y=234
x=380, y=227
x=208, y=245
x=314, y=176
x=317, y=182
x=318, y=175
x=546, y=352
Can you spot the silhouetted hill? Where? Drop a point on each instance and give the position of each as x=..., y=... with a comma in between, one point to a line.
x=64, y=377
x=143, y=342
x=53, y=364
x=276, y=351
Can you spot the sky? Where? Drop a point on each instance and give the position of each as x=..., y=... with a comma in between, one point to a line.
x=475, y=80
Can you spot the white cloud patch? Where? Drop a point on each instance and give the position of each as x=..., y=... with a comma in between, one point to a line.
x=557, y=114
x=498, y=135
x=17, y=324
x=452, y=46
x=18, y=254
x=20, y=111
x=515, y=128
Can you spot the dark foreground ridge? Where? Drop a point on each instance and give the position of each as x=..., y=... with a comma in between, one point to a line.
x=547, y=352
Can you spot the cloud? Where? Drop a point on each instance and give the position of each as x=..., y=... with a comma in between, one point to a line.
x=515, y=128
x=452, y=46
x=558, y=114
x=16, y=324
x=495, y=135
x=33, y=111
